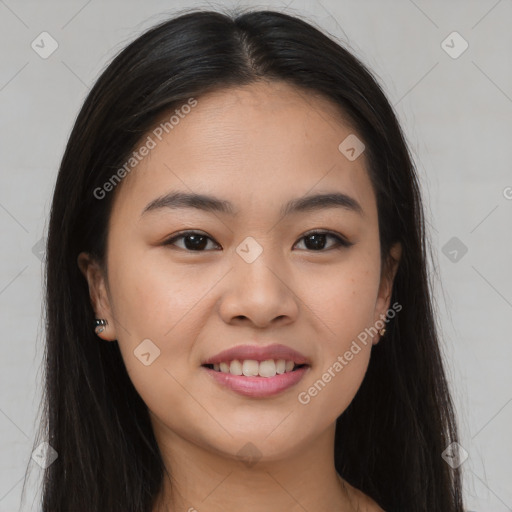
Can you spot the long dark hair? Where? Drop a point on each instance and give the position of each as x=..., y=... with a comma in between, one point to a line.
x=390, y=439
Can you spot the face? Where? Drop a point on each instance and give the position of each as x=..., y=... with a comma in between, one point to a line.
x=187, y=280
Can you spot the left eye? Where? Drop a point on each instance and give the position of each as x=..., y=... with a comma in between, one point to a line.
x=316, y=240
x=194, y=241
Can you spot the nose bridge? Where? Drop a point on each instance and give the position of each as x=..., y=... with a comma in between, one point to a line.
x=257, y=288
x=257, y=264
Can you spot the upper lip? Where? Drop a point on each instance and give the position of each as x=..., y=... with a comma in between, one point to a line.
x=258, y=353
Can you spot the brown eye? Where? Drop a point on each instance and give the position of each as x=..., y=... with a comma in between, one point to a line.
x=317, y=241
x=192, y=241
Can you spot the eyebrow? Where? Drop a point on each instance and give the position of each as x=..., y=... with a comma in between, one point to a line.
x=177, y=200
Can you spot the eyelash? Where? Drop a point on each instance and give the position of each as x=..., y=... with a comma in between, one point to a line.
x=340, y=241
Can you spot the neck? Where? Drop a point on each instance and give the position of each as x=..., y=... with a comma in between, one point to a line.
x=202, y=479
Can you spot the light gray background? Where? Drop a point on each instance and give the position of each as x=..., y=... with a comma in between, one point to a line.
x=456, y=114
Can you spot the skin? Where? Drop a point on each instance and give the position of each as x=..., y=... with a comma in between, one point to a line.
x=257, y=146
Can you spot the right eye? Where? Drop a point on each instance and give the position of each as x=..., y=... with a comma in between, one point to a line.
x=193, y=240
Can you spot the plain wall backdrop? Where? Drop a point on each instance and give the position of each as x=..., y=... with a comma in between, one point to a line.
x=446, y=66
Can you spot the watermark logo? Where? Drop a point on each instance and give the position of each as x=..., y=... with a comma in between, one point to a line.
x=39, y=249
x=304, y=397
x=44, y=455
x=454, y=45
x=44, y=45
x=351, y=147
x=249, y=454
x=454, y=249
x=454, y=455
x=249, y=249
x=146, y=352
x=145, y=148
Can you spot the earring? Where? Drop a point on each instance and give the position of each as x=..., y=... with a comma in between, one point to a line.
x=382, y=331
x=100, y=325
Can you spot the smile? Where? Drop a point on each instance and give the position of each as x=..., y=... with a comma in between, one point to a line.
x=257, y=380
x=252, y=368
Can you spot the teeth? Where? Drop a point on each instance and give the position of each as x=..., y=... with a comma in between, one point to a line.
x=252, y=368
x=235, y=368
x=267, y=368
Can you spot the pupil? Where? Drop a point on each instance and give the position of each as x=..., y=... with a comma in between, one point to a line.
x=198, y=242
x=318, y=241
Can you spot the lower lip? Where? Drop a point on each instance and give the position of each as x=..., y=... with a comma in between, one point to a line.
x=258, y=387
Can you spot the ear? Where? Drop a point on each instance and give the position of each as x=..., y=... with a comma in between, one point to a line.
x=100, y=301
x=386, y=284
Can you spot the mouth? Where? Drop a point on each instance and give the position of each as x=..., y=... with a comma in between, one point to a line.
x=255, y=371
x=253, y=368
x=257, y=386
x=249, y=356
x=251, y=383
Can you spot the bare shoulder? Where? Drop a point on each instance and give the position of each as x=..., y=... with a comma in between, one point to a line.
x=361, y=501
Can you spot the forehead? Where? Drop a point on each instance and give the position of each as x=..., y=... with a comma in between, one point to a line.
x=259, y=144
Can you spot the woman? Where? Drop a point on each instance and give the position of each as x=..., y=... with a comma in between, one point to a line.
x=238, y=306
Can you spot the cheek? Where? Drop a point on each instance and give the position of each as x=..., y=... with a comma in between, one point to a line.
x=344, y=304
x=171, y=399
x=330, y=389
x=156, y=307
x=153, y=295
x=342, y=297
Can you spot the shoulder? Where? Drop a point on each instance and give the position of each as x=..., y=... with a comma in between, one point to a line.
x=362, y=502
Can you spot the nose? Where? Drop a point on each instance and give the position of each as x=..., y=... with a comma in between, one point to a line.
x=259, y=295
